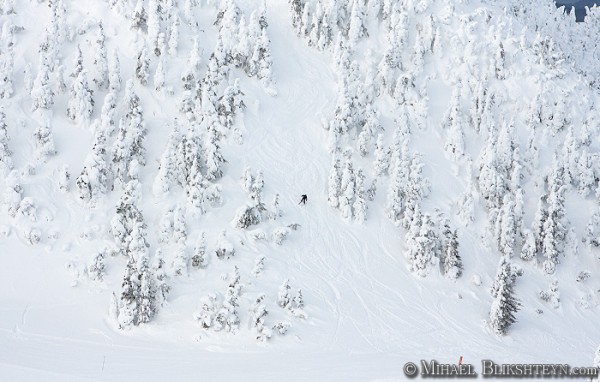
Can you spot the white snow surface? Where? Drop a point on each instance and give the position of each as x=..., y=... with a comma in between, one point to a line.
x=367, y=314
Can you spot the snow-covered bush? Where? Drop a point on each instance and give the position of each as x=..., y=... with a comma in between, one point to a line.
x=279, y=234
x=225, y=249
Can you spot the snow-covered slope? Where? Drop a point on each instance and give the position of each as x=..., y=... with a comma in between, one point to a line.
x=366, y=309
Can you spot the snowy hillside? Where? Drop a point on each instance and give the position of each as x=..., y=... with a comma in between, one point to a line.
x=154, y=152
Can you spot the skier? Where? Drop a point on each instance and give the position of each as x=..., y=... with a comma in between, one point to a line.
x=303, y=199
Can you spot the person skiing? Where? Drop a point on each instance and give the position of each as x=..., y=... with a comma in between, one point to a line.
x=303, y=199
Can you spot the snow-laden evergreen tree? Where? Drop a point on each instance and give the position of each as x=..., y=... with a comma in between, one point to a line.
x=77, y=63
x=139, y=18
x=334, y=183
x=284, y=297
x=225, y=249
x=166, y=225
x=554, y=227
x=227, y=317
x=28, y=209
x=207, y=312
x=357, y=27
x=230, y=103
x=382, y=157
x=212, y=153
x=505, y=304
x=360, y=205
x=142, y=69
x=399, y=170
x=44, y=141
x=42, y=95
x=7, y=60
x=493, y=180
x=172, y=27
x=168, y=170
x=180, y=261
x=114, y=72
x=127, y=215
x=451, y=261
x=97, y=270
x=453, y=123
x=81, y=100
x=528, y=251
x=261, y=62
x=191, y=74
x=500, y=62
x=161, y=280
x=96, y=175
x=506, y=227
x=259, y=265
x=586, y=173
x=422, y=244
x=258, y=312
x=417, y=188
x=348, y=188
x=159, y=76
x=199, y=259
x=552, y=295
x=129, y=143
x=101, y=60
x=6, y=163
x=60, y=85
x=466, y=203
x=255, y=210
x=153, y=22
x=247, y=179
x=108, y=114
x=138, y=299
x=179, y=225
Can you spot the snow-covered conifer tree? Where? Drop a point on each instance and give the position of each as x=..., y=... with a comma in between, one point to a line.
x=500, y=62
x=7, y=60
x=504, y=305
x=224, y=249
x=139, y=18
x=334, y=183
x=160, y=278
x=101, y=60
x=132, y=131
x=107, y=115
x=42, y=95
x=360, y=205
x=44, y=140
x=6, y=163
x=81, y=101
x=382, y=156
x=212, y=153
x=258, y=313
x=13, y=193
x=199, y=259
x=284, y=297
x=528, y=251
x=348, y=188
x=114, y=72
x=97, y=270
x=173, y=31
x=227, y=317
x=142, y=70
x=96, y=174
x=422, y=245
x=451, y=261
